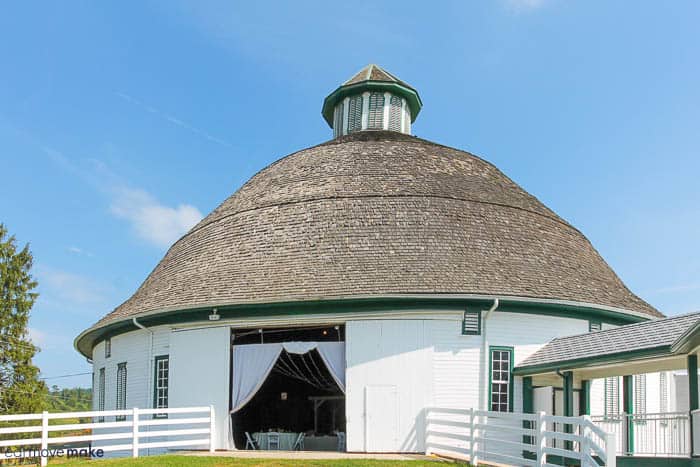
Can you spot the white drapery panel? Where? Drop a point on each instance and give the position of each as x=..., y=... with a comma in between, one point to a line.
x=299, y=347
x=333, y=355
x=252, y=364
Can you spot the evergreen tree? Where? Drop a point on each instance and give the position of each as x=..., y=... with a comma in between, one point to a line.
x=20, y=389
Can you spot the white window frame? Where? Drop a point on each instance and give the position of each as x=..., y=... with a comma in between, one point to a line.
x=101, y=392
x=501, y=379
x=120, y=403
x=161, y=367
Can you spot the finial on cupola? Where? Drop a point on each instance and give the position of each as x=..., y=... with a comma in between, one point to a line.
x=372, y=99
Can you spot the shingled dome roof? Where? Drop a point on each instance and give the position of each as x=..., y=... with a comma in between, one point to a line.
x=372, y=214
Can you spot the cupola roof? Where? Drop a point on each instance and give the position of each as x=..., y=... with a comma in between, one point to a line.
x=372, y=78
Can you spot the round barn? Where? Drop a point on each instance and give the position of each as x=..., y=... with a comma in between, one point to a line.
x=349, y=286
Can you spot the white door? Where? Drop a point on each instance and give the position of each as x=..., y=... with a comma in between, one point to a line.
x=381, y=419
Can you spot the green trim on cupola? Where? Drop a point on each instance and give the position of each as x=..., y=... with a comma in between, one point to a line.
x=364, y=81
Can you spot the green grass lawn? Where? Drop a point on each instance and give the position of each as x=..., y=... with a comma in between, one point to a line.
x=195, y=461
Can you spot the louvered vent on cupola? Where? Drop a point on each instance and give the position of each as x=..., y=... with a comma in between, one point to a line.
x=355, y=114
x=376, y=111
x=395, y=114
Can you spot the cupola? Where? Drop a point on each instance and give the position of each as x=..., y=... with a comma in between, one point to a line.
x=373, y=99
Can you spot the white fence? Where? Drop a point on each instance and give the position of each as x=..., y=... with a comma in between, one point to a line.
x=653, y=434
x=517, y=438
x=127, y=428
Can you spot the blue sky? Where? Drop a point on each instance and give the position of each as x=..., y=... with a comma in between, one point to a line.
x=122, y=123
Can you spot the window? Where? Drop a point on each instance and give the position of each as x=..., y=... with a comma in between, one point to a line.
x=121, y=389
x=594, y=326
x=471, y=323
x=355, y=114
x=108, y=348
x=160, y=388
x=376, y=111
x=501, y=375
x=338, y=120
x=640, y=394
x=663, y=392
x=395, y=113
x=101, y=393
x=612, y=396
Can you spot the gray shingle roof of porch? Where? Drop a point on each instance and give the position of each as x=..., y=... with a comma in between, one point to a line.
x=660, y=334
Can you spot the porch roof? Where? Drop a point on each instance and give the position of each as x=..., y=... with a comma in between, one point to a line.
x=660, y=338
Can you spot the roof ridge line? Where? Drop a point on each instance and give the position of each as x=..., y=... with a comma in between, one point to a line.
x=453, y=198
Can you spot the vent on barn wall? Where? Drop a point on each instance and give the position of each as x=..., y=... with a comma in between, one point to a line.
x=471, y=323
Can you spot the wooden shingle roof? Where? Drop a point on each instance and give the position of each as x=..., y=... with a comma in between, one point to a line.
x=379, y=213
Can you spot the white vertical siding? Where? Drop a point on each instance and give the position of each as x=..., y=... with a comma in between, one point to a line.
x=199, y=374
x=385, y=353
x=132, y=348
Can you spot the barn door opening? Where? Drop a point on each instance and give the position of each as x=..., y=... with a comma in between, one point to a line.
x=381, y=419
x=287, y=389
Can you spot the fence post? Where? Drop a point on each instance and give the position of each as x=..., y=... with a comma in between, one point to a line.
x=470, y=415
x=43, y=454
x=610, y=450
x=474, y=434
x=212, y=428
x=584, y=445
x=135, y=432
x=541, y=439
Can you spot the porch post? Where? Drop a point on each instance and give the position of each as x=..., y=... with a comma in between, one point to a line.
x=568, y=391
x=692, y=394
x=584, y=402
x=528, y=407
x=568, y=394
x=528, y=395
x=628, y=409
x=693, y=382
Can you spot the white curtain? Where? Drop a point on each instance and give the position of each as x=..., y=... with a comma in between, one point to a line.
x=251, y=365
x=333, y=354
x=299, y=347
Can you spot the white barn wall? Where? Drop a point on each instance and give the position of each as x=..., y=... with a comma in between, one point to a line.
x=391, y=352
x=131, y=348
x=199, y=374
x=526, y=333
x=381, y=354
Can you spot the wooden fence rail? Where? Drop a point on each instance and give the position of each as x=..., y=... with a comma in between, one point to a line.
x=517, y=438
x=127, y=428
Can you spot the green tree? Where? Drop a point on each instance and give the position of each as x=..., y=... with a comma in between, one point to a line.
x=20, y=389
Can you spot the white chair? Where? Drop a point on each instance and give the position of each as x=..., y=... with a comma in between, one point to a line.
x=341, y=441
x=299, y=443
x=250, y=443
x=273, y=440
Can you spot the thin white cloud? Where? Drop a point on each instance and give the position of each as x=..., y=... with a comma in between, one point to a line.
x=70, y=288
x=79, y=251
x=524, y=5
x=174, y=120
x=152, y=221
